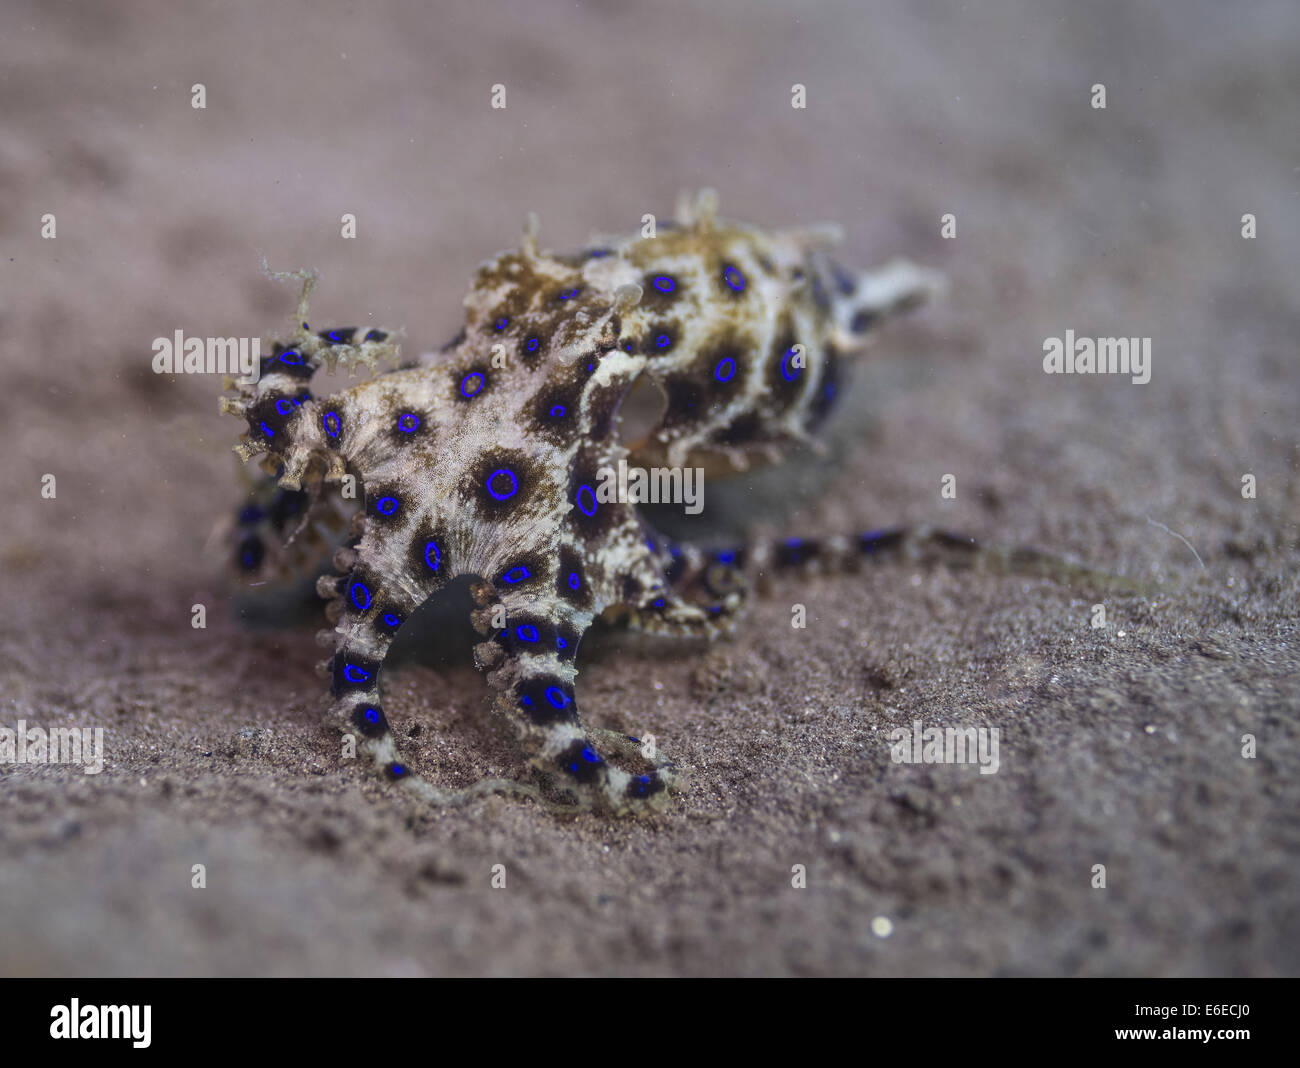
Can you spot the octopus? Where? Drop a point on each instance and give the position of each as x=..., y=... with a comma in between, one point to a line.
x=487, y=459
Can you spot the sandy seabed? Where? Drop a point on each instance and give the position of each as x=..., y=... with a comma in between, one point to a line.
x=1120, y=746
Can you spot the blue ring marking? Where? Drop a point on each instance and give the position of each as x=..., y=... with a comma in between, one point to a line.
x=659, y=603
x=532, y=344
x=727, y=557
x=357, y=588
x=592, y=494
x=873, y=540
x=267, y=430
x=734, y=279
x=386, y=505
x=591, y=756
x=514, y=484
x=560, y=643
x=526, y=701
x=374, y=335
x=574, y=580
x=391, y=619
x=354, y=674
x=284, y=357
x=557, y=697
x=568, y=294
x=396, y=770
x=786, y=368
x=467, y=392
x=432, y=547
x=727, y=364
x=516, y=574
x=336, y=336
x=371, y=715
x=284, y=406
x=502, y=323
x=526, y=632
x=332, y=424
x=557, y=412
x=408, y=423
x=664, y=284
x=663, y=341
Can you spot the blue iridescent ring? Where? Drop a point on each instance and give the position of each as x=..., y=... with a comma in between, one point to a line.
x=497, y=493
x=788, y=372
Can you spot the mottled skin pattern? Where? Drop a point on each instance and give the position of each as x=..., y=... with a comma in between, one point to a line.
x=484, y=461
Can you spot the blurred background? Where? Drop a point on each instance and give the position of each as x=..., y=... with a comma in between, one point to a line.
x=1123, y=221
